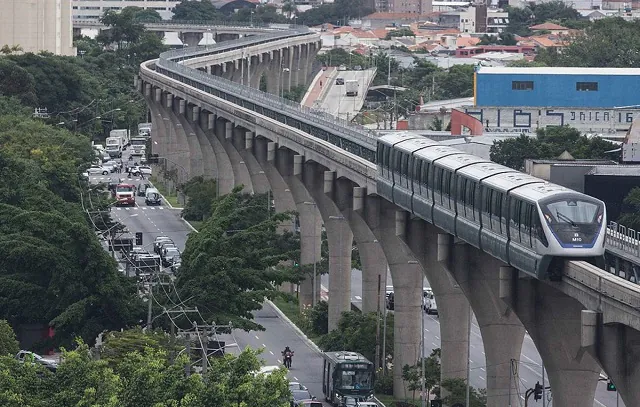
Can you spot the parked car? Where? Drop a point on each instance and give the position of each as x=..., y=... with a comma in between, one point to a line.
x=98, y=170
x=111, y=164
x=300, y=395
x=310, y=403
x=390, y=301
x=170, y=256
x=26, y=356
x=296, y=386
x=339, y=81
x=357, y=68
x=342, y=68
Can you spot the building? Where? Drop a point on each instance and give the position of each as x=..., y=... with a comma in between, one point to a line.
x=603, y=88
x=410, y=6
x=37, y=25
x=475, y=19
x=94, y=9
x=568, y=172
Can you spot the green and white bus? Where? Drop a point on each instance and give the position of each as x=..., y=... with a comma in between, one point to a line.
x=346, y=374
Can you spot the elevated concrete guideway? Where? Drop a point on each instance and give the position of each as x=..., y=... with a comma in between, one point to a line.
x=307, y=156
x=337, y=103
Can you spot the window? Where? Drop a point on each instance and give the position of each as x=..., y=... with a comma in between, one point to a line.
x=496, y=210
x=424, y=180
x=522, y=85
x=446, y=183
x=397, y=167
x=587, y=86
x=405, y=165
x=526, y=211
x=470, y=198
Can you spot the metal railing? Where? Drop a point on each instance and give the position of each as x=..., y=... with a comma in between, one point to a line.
x=623, y=238
x=342, y=128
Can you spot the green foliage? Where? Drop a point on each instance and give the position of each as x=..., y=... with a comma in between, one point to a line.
x=8, y=342
x=18, y=82
x=339, y=12
x=142, y=378
x=196, y=10
x=262, y=14
x=316, y=319
x=230, y=266
x=296, y=93
x=521, y=18
x=402, y=32
x=606, y=43
x=630, y=216
x=201, y=193
x=117, y=345
x=550, y=143
x=124, y=27
x=54, y=271
x=411, y=375
x=504, y=38
x=458, y=390
x=356, y=332
x=383, y=383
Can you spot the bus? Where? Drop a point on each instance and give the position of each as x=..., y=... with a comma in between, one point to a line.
x=346, y=374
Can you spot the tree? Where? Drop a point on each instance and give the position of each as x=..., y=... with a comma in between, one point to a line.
x=521, y=18
x=411, y=374
x=503, y=38
x=607, y=43
x=10, y=49
x=231, y=265
x=262, y=14
x=8, y=342
x=201, y=193
x=124, y=28
x=117, y=345
x=196, y=10
x=17, y=81
x=458, y=390
x=288, y=8
x=630, y=216
x=338, y=13
x=550, y=143
x=356, y=332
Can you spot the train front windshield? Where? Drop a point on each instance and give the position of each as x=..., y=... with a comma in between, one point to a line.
x=359, y=379
x=575, y=222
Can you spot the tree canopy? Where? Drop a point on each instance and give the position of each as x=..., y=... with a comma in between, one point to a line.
x=232, y=264
x=339, y=12
x=630, y=216
x=143, y=378
x=606, y=43
x=550, y=143
x=54, y=270
x=196, y=10
x=521, y=18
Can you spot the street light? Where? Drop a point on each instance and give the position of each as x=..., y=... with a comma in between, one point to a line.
x=315, y=252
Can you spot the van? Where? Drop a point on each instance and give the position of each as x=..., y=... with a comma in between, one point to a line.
x=429, y=301
x=152, y=197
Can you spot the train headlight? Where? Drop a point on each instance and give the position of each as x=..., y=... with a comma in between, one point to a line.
x=600, y=218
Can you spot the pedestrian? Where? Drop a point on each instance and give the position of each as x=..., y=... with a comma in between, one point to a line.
x=320, y=83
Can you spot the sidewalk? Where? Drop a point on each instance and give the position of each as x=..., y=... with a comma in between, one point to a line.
x=315, y=90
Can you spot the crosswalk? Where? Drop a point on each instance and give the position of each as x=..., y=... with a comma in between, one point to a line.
x=144, y=208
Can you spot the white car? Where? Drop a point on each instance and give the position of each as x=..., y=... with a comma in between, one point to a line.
x=112, y=164
x=98, y=170
x=141, y=169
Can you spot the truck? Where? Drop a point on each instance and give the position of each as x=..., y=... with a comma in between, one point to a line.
x=351, y=87
x=114, y=146
x=122, y=133
x=144, y=129
x=139, y=146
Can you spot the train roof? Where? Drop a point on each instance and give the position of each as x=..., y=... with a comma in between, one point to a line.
x=437, y=151
x=537, y=192
x=484, y=170
x=412, y=145
x=395, y=138
x=509, y=180
x=456, y=161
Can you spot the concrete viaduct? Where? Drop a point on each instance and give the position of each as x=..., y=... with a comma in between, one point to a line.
x=208, y=124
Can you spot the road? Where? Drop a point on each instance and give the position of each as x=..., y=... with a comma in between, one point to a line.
x=307, y=364
x=337, y=103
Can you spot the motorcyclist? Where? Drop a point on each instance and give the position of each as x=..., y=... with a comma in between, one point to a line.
x=287, y=355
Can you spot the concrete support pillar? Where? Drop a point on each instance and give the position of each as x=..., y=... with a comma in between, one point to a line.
x=182, y=106
x=191, y=39
x=210, y=167
x=240, y=172
x=274, y=73
x=243, y=143
x=226, y=179
x=193, y=153
x=339, y=237
x=453, y=307
x=147, y=90
x=195, y=114
x=287, y=75
x=617, y=347
x=158, y=95
x=209, y=69
x=553, y=319
x=384, y=219
x=169, y=102
x=478, y=274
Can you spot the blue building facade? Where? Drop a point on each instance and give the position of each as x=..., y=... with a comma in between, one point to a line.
x=590, y=88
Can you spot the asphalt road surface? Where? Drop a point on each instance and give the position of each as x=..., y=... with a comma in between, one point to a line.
x=337, y=103
x=307, y=364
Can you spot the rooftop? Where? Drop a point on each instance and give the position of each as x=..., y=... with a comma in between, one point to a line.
x=617, y=170
x=558, y=71
x=548, y=26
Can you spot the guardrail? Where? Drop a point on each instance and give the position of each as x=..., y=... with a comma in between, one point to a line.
x=623, y=238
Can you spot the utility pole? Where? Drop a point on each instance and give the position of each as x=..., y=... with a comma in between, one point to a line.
x=384, y=330
x=378, y=362
x=187, y=368
x=424, y=395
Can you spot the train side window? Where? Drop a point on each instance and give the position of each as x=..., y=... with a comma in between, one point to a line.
x=415, y=174
x=398, y=163
x=504, y=214
x=405, y=165
x=424, y=187
x=486, y=207
x=514, y=219
x=525, y=224
x=453, y=191
x=380, y=153
x=470, y=200
x=496, y=209
x=386, y=158
x=461, y=202
x=446, y=180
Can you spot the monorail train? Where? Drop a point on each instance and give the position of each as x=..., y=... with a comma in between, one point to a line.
x=524, y=221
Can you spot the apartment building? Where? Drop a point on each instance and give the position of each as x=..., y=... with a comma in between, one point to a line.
x=94, y=9
x=37, y=25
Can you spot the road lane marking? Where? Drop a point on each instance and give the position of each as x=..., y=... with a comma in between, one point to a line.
x=481, y=378
x=271, y=352
x=437, y=337
x=358, y=298
x=264, y=346
x=295, y=378
x=473, y=346
x=256, y=336
x=482, y=368
x=279, y=361
x=435, y=344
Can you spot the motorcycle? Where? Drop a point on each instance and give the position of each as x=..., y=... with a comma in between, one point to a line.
x=288, y=356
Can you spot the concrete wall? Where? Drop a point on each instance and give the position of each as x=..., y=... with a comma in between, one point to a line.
x=556, y=90
x=37, y=25
x=527, y=119
x=94, y=9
